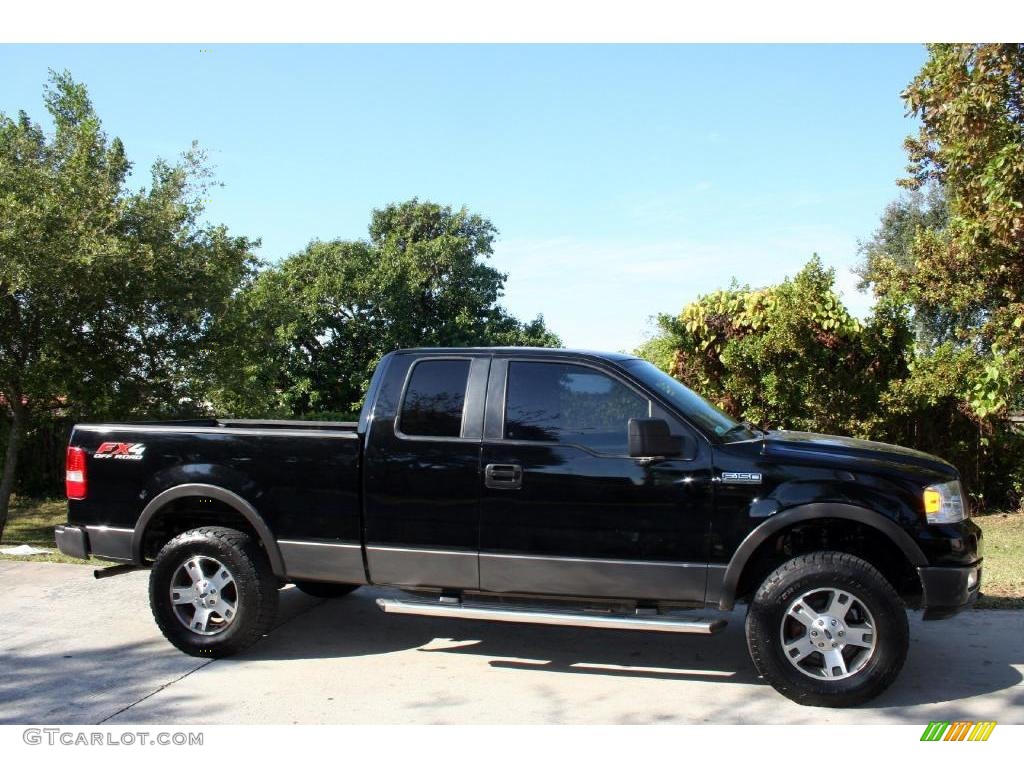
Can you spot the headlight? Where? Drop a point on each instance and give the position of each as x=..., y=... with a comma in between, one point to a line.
x=944, y=503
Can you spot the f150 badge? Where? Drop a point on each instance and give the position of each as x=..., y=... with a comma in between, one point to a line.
x=121, y=451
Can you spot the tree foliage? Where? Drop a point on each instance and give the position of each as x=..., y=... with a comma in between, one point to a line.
x=787, y=356
x=960, y=266
x=967, y=267
x=891, y=248
x=304, y=337
x=107, y=295
x=790, y=356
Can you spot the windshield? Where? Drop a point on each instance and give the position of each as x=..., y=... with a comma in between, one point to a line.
x=689, y=403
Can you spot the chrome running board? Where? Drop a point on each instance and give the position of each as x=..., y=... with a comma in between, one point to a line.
x=456, y=610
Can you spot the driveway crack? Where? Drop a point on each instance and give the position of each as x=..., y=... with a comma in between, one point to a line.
x=157, y=690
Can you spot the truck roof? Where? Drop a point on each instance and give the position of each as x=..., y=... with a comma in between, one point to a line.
x=532, y=351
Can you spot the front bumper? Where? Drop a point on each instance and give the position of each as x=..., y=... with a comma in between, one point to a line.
x=97, y=540
x=948, y=589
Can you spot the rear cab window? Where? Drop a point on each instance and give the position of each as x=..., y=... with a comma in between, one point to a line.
x=435, y=397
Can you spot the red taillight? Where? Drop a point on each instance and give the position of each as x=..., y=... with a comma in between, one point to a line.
x=74, y=473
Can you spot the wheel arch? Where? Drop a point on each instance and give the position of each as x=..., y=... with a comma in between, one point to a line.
x=808, y=513
x=205, y=491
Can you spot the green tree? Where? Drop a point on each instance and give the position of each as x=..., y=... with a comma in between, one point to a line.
x=787, y=356
x=107, y=296
x=892, y=247
x=969, y=270
x=790, y=356
x=310, y=329
x=959, y=267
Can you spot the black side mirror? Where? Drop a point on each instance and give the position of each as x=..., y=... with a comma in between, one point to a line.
x=650, y=438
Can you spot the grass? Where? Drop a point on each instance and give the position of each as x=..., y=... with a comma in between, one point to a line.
x=1002, y=578
x=31, y=521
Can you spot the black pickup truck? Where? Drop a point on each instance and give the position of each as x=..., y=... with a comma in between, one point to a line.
x=541, y=486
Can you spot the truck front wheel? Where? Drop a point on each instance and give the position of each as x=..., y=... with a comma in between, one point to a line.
x=827, y=629
x=212, y=592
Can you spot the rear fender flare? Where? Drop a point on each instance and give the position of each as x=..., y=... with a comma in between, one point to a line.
x=202, y=490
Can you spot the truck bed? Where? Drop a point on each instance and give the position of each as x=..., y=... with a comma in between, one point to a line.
x=301, y=476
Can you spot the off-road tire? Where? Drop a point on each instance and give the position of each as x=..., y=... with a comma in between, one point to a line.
x=255, y=582
x=836, y=570
x=325, y=588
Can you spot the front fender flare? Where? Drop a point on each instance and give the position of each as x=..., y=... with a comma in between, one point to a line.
x=203, y=490
x=802, y=513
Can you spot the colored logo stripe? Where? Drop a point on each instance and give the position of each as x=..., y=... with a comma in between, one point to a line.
x=959, y=730
x=982, y=731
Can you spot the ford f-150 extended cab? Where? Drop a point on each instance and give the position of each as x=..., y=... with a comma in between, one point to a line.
x=540, y=486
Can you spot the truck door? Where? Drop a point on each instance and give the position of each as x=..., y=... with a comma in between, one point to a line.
x=565, y=510
x=421, y=492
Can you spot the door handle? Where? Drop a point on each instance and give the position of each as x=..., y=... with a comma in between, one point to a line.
x=503, y=476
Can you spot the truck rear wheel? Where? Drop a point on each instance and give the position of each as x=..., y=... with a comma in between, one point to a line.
x=325, y=588
x=827, y=629
x=212, y=592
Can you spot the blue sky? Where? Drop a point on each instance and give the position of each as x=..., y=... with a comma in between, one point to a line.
x=625, y=180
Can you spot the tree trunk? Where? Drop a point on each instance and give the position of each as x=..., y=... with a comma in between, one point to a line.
x=11, y=459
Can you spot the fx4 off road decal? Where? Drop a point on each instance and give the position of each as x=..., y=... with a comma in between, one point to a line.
x=121, y=451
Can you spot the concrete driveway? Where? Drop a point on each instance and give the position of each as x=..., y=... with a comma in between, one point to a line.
x=77, y=650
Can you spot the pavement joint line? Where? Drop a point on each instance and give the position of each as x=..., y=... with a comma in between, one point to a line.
x=205, y=664
x=168, y=684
